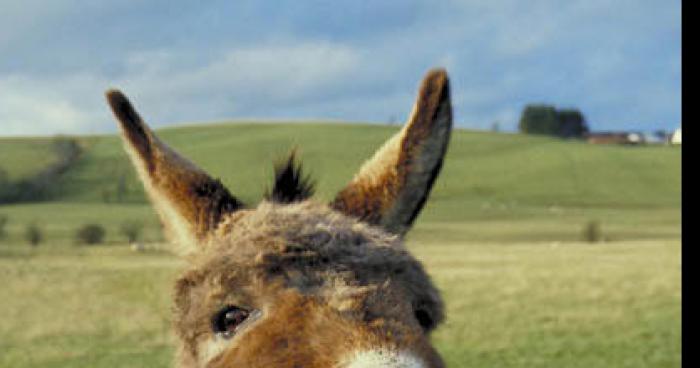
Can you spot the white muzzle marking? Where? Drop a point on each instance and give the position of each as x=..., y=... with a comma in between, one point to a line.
x=384, y=359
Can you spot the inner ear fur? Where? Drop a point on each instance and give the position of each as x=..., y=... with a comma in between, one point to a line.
x=391, y=188
x=190, y=203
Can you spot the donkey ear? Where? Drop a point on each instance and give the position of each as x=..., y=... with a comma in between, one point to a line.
x=392, y=187
x=190, y=203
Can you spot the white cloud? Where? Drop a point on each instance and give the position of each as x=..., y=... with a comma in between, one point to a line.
x=240, y=81
x=596, y=54
x=37, y=107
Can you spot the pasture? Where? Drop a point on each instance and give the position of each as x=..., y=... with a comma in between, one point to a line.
x=501, y=237
x=514, y=305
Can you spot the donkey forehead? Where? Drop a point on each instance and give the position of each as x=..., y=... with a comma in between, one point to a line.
x=307, y=235
x=306, y=245
x=302, y=226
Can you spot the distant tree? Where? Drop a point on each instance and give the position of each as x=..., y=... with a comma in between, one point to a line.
x=90, y=234
x=33, y=235
x=539, y=119
x=3, y=222
x=592, y=232
x=131, y=230
x=572, y=124
x=547, y=120
x=495, y=127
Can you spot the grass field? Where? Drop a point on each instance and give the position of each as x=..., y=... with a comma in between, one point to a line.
x=501, y=237
x=516, y=305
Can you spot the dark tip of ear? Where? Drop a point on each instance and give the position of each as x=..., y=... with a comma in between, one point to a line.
x=113, y=93
x=132, y=125
x=122, y=108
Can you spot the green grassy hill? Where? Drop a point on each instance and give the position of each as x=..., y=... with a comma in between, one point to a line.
x=502, y=168
x=544, y=188
x=22, y=157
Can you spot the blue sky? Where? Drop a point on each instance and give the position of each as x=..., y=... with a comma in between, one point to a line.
x=184, y=61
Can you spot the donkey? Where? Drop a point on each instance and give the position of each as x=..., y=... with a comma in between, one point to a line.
x=293, y=282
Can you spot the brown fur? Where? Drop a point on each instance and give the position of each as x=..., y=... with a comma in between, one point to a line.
x=392, y=188
x=171, y=180
x=322, y=282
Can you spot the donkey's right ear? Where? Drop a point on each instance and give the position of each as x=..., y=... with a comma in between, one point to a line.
x=190, y=203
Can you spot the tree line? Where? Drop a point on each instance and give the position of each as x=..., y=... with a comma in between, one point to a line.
x=40, y=186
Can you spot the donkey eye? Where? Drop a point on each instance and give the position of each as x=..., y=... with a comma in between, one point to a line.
x=228, y=319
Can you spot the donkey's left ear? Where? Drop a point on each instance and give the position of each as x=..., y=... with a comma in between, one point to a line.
x=392, y=187
x=190, y=203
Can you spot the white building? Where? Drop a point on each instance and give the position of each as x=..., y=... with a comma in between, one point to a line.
x=676, y=137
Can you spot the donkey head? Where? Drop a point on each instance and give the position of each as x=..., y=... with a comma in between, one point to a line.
x=293, y=282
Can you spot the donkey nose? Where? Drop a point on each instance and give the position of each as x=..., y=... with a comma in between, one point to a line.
x=384, y=359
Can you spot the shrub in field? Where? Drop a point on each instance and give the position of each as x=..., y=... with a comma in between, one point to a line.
x=33, y=234
x=90, y=234
x=131, y=230
x=592, y=232
x=3, y=221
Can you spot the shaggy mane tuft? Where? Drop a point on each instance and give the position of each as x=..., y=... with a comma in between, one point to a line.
x=291, y=185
